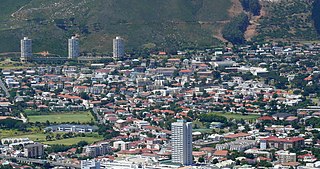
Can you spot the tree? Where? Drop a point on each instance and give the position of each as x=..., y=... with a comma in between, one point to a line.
x=82, y=143
x=84, y=96
x=58, y=136
x=252, y=6
x=234, y=30
x=48, y=137
x=201, y=160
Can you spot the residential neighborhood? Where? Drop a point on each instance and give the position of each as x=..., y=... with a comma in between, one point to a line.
x=252, y=106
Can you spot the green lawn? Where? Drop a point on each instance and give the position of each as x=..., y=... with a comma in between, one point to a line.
x=238, y=116
x=82, y=117
x=75, y=140
x=41, y=137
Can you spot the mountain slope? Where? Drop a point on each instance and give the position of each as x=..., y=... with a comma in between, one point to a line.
x=163, y=24
x=288, y=20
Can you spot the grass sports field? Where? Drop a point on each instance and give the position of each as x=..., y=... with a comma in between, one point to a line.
x=82, y=117
x=238, y=116
x=70, y=141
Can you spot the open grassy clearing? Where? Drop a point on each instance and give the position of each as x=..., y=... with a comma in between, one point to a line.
x=238, y=116
x=9, y=64
x=41, y=137
x=71, y=141
x=81, y=117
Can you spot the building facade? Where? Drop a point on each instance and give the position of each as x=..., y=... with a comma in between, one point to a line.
x=282, y=143
x=285, y=156
x=97, y=150
x=182, y=142
x=90, y=164
x=118, y=48
x=33, y=150
x=73, y=48
x=26, y=49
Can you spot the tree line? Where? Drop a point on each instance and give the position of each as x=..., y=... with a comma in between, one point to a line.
x=234, y=30
x=13, y=124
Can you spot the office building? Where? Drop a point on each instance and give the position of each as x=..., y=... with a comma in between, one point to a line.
x=34, y=150
x=90, y=164
x=73, y=47
x=26, y=49
x=182, y=142
x=118, y=48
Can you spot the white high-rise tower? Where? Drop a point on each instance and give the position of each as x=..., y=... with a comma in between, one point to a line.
x=181, y=142
x=73, y=48
x=118, y=48
x=26, y=49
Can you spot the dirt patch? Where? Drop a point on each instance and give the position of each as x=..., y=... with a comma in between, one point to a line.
x=234, y=10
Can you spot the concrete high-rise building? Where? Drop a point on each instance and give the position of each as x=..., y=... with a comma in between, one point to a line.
x=73, y=48
x=33, y=150
x=181, y=142
x=118, y=48
x=26, y=49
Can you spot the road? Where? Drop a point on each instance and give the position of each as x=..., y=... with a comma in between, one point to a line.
x=23, y=118
x=100, y=118
x=4, y=88
x=40, y=161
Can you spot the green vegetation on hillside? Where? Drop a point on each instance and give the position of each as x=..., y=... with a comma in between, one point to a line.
x=287, y=20
x=8, y=6
x=316, y=15
x=252, y=6
x=234, y=31
x=167, y=24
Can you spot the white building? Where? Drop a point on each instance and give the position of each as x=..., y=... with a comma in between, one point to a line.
x=73, y=48
x=26, y=49
x=118, y=48
x=90, y=164
x=182, y=142
x=121, y=145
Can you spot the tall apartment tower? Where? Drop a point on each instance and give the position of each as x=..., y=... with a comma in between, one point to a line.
x=118, y=48
x=26, y=49
x=182, y=142
x=73, y=48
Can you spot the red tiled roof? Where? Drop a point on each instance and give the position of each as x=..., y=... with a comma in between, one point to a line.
x=265, y=118
x=231, y=136
x=221, y=153
x=290, y=140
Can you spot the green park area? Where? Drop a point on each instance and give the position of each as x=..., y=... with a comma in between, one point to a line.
x=41, y=137
x=238, y=116
x=75, y=140
x=6, y=63
x=77, y=117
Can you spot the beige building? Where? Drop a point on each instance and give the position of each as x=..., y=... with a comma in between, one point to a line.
x=286, y=156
